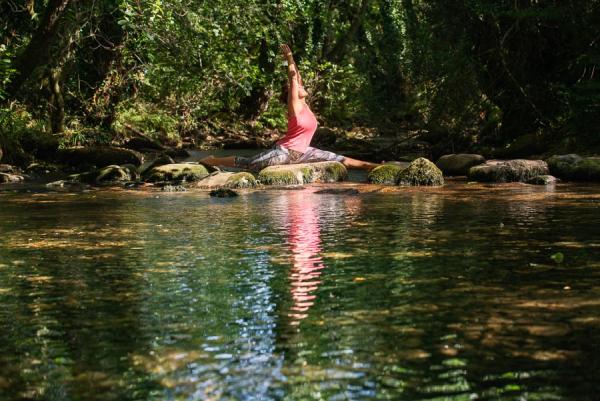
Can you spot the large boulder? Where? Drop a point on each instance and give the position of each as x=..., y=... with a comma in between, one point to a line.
x=574, y=167
x=222, y=179
x=386, y=174
x=177, y=172
x=303, y=173
x=458, y=164
x=421, y=172
x=99, y=156
x=518, y=170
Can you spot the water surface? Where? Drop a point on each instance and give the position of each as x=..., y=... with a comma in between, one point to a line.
x=423, y=294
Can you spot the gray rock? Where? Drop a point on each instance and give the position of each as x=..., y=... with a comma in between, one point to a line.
x=421, y=172
x=6, y=178
x=222, y=179
x=574, y=167
x=304, y=173
x=113, y=174
x=458, y=164
x=518, y=170
x=9, y=169
x=223, y=193
x=542, y=180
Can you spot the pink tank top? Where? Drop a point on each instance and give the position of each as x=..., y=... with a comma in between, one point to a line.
x=300, y=131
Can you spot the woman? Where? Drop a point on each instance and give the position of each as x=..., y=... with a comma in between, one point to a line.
x=294, y=147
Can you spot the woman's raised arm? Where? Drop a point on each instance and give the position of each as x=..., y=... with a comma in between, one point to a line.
x=294, y=81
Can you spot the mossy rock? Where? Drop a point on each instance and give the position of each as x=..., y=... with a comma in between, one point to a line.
x=386, y=174
x=303, y=173
x=518, y=170
x=242, y=179
x=574, y=167
x=458, y=164
x=178, y=172
x=421, y=172
x=99, y=156
x=542, y=180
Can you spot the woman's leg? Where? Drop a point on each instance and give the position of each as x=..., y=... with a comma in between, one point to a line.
x=228, y=161
x=257, y=162
x=317, y=155
x=359, y=164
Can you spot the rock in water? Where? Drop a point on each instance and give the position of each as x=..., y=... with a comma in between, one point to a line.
x=421, y=172
x=222, y=179
x=114, y=174
x=6, y=178
x=223, y=193
x=542, y=180
x=518, y=170
x=386, y=174
x=574, y=167
x=100, y=156
x=304, y=173
x=458, y=164
x=178, y=172
x=241, y=180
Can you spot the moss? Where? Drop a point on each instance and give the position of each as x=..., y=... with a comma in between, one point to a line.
x=298, y=174
x=241, y=180
x=284, y=177
x=574, y=167
x=333, y=172
x=421, y=172
x=177, y=172
x=386, y=174
x=508, y=171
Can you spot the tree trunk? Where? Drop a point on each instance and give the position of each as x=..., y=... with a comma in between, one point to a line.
x=57, y=104
x=38, y=51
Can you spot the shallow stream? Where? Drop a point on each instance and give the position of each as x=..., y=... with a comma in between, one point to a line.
x=458, y=293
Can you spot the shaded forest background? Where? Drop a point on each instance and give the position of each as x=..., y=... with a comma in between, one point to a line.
x=499, y=77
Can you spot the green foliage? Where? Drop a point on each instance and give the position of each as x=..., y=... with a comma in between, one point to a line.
x=148, y=118
x=472, y=73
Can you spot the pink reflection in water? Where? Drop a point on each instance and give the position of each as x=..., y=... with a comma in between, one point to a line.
x=305, y=244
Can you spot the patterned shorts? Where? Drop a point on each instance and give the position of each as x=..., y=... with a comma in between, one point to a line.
x=280, y=155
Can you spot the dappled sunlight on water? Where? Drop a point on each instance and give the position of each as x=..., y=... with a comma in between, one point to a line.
x=439, y=293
